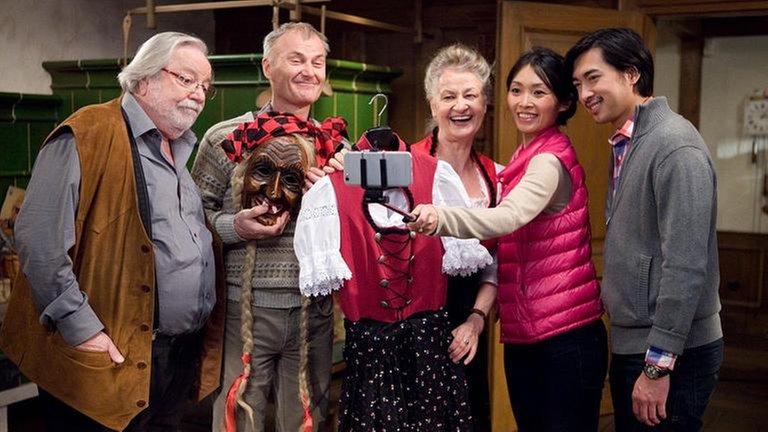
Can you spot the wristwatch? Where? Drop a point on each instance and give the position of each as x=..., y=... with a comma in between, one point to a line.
x=654, y=372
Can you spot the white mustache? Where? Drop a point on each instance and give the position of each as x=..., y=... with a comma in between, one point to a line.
x=191, y=105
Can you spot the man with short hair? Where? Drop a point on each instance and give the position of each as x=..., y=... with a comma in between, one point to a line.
x=661, y=275
x=117, y=279
x=294, y=62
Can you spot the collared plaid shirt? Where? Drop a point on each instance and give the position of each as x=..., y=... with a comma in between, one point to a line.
x=620, y=142
x=660, y=358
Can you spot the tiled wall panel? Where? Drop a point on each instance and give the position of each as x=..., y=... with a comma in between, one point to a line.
x=25, y=121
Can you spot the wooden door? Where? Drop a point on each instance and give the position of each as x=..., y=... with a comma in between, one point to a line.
x=523, y=25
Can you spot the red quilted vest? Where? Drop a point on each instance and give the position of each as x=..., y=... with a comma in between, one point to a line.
x=547, y=281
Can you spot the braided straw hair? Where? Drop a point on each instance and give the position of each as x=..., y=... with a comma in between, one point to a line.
x=304, y=394
x=306, y=148
x=246, y=296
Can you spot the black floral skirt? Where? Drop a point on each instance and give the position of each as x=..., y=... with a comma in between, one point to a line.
x=399, y=377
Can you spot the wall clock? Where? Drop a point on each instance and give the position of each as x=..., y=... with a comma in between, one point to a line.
x=756, y=117
x=756, y=126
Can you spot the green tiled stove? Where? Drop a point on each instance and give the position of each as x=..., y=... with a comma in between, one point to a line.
x=25, y=121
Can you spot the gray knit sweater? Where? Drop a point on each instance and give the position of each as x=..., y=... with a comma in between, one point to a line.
x=661, y=275
x=276, y=274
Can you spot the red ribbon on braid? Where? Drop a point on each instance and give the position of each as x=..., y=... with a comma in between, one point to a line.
x=306, y=425
x=327, y=136
x=230, y=424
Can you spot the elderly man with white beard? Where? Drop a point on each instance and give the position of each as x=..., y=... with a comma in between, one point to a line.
x=117, y=284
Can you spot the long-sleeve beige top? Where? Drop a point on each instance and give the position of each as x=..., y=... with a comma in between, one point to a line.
x=545, y=187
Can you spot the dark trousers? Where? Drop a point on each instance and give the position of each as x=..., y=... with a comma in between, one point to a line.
x=462, y=292
x=692, y=383
x=174, y=370
x=557, y=384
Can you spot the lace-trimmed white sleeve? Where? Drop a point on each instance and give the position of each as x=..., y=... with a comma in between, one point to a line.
x=462, y=256
x=317, y=242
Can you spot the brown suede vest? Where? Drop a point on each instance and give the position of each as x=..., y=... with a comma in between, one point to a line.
x=113, y=261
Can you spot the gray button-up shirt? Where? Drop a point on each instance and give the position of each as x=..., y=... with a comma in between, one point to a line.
x=45, y=232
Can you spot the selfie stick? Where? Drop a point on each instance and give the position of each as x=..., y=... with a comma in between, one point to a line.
x=376, y=196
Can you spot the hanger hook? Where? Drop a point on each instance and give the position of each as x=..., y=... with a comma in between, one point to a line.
x=381, y=112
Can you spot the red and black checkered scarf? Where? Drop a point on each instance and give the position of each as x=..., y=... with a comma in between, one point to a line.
x=327, y=136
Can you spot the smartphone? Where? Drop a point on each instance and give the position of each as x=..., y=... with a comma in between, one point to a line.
x=378, y=170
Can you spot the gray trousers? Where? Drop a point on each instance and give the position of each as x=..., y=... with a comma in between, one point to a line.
x=275, y=365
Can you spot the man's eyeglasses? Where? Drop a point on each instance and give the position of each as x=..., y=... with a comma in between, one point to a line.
x=191, y=84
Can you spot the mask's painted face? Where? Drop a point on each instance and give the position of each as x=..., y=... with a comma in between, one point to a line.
x=274, y=174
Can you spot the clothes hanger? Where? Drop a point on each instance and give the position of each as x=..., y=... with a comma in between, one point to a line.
x=381, y=137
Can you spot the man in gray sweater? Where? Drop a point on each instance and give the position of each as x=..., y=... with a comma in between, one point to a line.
x=294, y=62
x=661, y=276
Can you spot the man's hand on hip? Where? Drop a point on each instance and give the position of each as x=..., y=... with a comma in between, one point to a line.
x=102, y=343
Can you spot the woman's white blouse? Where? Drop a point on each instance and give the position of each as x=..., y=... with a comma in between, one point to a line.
x=317, y=240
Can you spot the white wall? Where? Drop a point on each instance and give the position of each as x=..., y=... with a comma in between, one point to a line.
x=33, y=31
x=733, y=68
